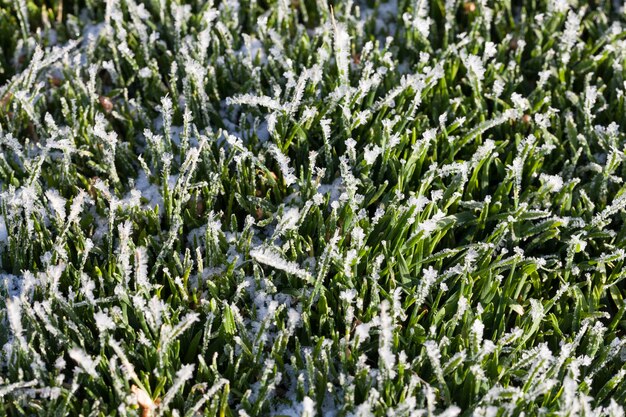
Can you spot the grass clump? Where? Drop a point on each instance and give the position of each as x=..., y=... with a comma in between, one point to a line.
x=303, y=208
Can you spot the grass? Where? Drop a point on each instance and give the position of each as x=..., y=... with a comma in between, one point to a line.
x=303, y=208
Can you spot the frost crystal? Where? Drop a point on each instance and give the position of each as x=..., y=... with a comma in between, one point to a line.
x=271, y=257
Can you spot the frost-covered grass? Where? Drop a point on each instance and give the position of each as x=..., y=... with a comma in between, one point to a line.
x=260, y=207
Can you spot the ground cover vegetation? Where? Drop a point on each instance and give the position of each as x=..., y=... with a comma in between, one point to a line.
x=351, y=208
